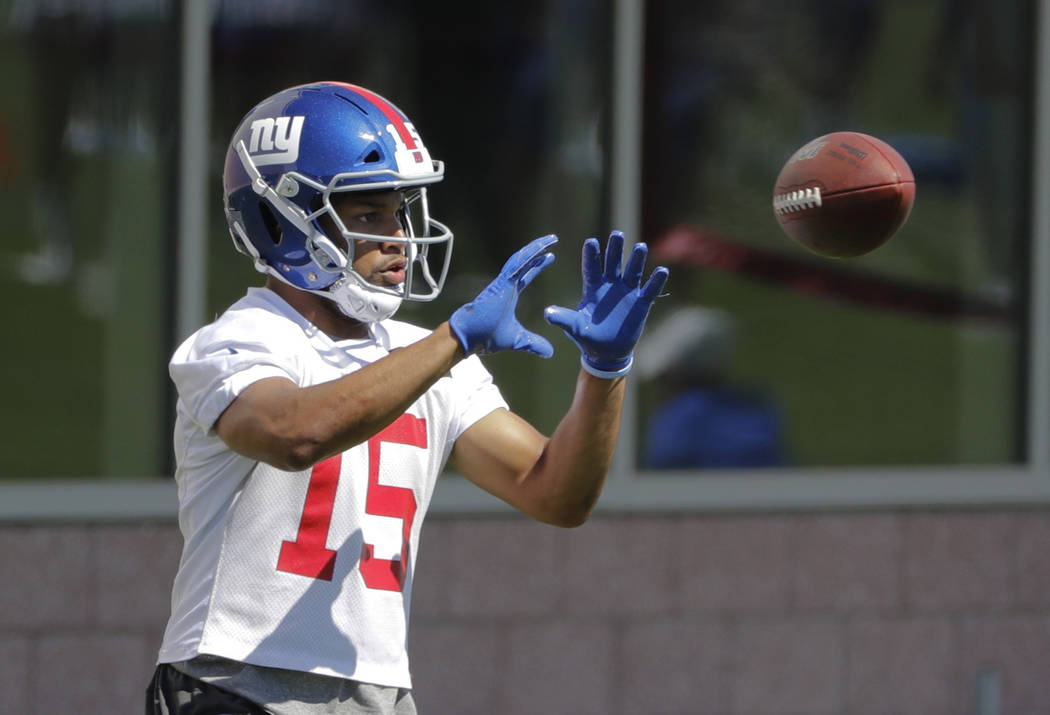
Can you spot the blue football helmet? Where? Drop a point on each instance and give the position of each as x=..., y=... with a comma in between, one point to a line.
x=286, y=159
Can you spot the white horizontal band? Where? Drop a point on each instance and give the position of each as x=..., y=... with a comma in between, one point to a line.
x=607, y=374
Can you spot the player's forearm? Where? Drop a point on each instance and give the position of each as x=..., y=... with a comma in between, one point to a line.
x=317, y=422
x=605, y=326
x=348, y=411
x=577, y=458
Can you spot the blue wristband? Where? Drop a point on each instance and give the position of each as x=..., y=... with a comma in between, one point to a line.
x=607, y=374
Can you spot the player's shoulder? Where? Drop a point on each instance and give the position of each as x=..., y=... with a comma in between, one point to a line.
x=257, y=319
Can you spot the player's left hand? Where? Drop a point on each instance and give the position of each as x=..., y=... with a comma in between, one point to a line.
x=609, y=320
x=488, y=324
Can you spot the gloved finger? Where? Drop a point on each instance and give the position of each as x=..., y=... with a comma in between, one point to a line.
x=530, y=342
x=613, y=256
x=540, y=259
x=592, y=264
x=632, y=275
x=565, y=318
x=655, y=284
x=518, y=263
x=538, y=265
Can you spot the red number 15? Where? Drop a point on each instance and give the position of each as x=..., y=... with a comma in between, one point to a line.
x=309, y=556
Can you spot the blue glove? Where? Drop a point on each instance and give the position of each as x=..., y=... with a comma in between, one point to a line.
x=487, y=324
x=610, y=317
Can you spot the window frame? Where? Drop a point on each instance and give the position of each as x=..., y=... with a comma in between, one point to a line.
x=627, y=489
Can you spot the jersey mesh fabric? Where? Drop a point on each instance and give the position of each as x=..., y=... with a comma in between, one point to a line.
x=310, y=570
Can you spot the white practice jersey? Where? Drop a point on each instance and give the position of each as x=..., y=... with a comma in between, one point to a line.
x=310, y=570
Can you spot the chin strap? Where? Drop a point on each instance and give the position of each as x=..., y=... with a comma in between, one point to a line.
x=360, y=303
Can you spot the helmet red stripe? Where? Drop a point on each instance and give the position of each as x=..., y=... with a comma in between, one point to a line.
x=388, y=111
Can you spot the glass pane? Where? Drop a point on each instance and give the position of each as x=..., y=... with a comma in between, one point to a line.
x=505, y=94
x=85, y=133
x=912, y=354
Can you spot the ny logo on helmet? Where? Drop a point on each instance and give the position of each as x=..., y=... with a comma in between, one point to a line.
x=275, y=140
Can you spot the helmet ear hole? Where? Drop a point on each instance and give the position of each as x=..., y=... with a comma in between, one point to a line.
x=273, y=226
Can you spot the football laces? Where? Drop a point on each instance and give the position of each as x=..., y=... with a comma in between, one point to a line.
x=799, y=200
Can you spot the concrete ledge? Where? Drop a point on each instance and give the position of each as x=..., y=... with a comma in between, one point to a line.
x=154, y=498
x=148, y=498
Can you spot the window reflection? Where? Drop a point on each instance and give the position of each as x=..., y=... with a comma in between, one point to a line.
x=86, y=125
x=914, y=353
x=699, y=415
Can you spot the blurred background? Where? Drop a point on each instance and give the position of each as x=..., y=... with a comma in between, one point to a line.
x=910, y=379
x=915, y=354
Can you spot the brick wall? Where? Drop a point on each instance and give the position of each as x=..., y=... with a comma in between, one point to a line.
x=737, y=615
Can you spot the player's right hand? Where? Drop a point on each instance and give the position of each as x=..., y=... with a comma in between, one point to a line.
x=488, y=324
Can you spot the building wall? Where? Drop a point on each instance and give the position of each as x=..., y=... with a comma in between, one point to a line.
x=931, y=613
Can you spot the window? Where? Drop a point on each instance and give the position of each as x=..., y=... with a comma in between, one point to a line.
x=912, y=355
x=86, y=137
x=917, y=374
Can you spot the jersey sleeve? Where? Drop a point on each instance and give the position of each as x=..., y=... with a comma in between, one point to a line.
x=213, y=367
x=476, y=395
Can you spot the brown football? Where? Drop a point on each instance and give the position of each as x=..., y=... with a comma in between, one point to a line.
x=844, y=194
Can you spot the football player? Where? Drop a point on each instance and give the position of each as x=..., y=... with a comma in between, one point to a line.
x=311, y=426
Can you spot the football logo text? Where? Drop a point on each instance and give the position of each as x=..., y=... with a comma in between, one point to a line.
x=854, y=151
x=808, y=151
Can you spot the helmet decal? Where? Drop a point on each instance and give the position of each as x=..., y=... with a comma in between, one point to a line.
x=411, y=156
x=275, y=140
x=399, y=125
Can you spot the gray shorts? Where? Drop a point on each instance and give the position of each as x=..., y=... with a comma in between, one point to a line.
x=290, y=692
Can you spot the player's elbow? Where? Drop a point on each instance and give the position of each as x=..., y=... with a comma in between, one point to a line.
x=269, y=439
x=285, y=452
x=295, y=459
x=296, y=450
x=571, y=521
x=567, y=515
x=568, y=520
x=298, y=455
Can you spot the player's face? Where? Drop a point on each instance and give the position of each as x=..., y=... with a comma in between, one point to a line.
x=380, y=262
